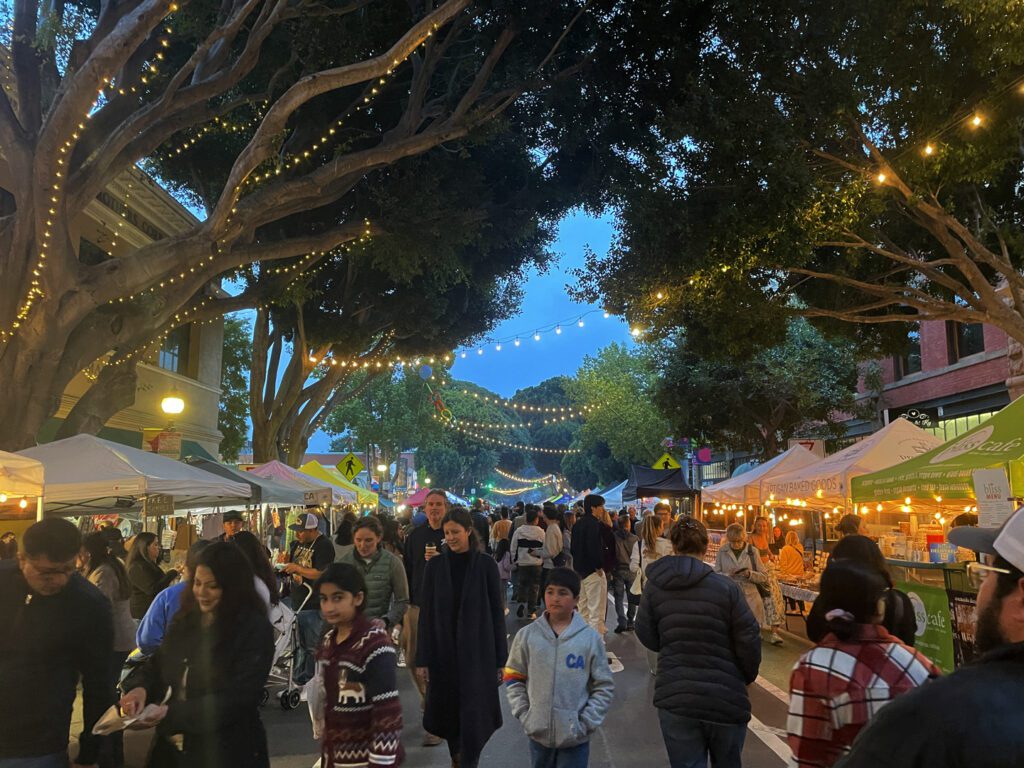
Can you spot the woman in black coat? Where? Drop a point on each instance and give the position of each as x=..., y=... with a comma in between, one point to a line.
x=462, y=642
x=146, y=577
x=215, y=660
x=899, y=617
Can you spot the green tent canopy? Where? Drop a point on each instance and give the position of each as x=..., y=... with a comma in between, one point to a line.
x=947, y=472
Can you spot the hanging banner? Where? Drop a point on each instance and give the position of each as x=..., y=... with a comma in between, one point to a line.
x=401, y=475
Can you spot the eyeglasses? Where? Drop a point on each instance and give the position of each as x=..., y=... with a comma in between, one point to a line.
x=977, y=573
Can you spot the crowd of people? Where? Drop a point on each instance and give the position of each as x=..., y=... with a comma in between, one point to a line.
x=433, y=595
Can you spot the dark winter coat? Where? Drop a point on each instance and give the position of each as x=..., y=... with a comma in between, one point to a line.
x=46, y=644
x=971, y=719
x=413, y=557
x=464, y=663
x=708, y=641
x=587, y=545
x=217, y=708
x=609, y=557
x=147, y=580
x=899, y=618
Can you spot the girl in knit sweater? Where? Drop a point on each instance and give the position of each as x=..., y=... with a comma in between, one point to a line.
x=361, y=715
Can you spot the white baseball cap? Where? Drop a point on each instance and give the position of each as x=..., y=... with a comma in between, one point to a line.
x=1006, y=541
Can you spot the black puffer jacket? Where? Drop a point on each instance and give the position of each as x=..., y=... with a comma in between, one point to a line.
x=708, y=640
x=971, y=719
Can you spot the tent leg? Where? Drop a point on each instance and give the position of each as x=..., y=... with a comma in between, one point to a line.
x=39, y=508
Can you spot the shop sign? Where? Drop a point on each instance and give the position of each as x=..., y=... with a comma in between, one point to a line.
x=158, y=505
x=962, y=607
x=925, y=418
x=934, y=633
x=162, y=442
x=992, y=493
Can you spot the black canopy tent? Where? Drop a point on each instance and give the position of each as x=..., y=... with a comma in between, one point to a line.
x=664, y=483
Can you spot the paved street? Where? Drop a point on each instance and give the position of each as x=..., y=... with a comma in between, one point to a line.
x=630, y=736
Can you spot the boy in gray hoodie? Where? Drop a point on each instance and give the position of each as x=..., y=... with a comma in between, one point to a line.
x=557, y=678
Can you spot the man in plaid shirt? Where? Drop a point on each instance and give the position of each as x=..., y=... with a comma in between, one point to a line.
x=838, y=686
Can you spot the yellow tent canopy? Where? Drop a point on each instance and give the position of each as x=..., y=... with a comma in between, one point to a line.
x=334, y=477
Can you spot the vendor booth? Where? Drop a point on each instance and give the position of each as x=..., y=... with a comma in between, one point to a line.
x=645, y=482
x=21, y=487
x=364, y=497
x=87, y=475
x=315, y=493
x=746, y=488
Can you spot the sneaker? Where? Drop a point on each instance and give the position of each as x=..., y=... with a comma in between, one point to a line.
x=521, y=611
x=620, y=629
x=401, y=659
x=430, y=740
x=776, y=639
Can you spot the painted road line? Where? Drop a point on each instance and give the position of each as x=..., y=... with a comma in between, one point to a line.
x=770, y=738
x=773, y=689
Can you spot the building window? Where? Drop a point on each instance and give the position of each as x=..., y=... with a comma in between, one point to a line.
x=964, y=339
x=174, y=353
x=909, y=360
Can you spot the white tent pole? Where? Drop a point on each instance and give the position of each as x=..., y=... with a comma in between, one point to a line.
x=39, y=508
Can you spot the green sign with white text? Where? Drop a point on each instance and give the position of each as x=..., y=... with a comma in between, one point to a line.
x=934, y=626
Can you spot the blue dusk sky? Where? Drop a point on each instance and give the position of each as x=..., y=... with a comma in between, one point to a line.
x=545, y=303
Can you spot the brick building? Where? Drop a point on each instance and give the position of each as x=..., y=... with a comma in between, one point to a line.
x=949, y=377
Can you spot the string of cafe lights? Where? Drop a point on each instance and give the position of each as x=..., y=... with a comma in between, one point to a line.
x=496, y=425
x=513, y=491
x=516, y=340
x=515, y=478
x=506, y=443
x=568, y=413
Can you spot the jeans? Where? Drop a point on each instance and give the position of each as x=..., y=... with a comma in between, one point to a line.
x=529, y=586
x=569, y=757
x=56, y=760
x=311, y=631
x=689, y=742
x=625, y=611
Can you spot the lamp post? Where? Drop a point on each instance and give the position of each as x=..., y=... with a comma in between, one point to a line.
x=172, y=405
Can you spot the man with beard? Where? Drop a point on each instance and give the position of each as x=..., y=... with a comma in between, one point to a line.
x=973, y=717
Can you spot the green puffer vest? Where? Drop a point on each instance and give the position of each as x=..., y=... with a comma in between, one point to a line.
x=377, y=574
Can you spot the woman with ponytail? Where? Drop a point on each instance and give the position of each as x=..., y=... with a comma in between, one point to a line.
x=855, y=670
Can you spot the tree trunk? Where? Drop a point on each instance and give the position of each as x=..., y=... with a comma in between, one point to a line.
x=113, y=391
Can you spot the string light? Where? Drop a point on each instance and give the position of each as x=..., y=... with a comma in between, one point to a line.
x=568, y=412
x=513, y=491
x=496, y=425
x=537, y=480
x=506, y=443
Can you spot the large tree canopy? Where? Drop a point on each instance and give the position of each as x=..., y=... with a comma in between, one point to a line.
x=288, y=105
x=802, y=387
x=857, y=162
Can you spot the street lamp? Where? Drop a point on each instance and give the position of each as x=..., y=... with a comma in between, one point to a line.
x=172, y=404
x=382, y=467
x=426, y=481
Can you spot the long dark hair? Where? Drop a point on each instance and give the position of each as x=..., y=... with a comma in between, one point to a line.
x=234, y=575
x=139, y=546
x=257, y=557
x=461, y=516
x=861, y=549
x=850, y=591
x=98, y=547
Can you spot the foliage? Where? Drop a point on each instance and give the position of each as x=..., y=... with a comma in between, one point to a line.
x=236, y=358
x=804, y=386
x=550, y=393
x=793, y=174
x=625, y=427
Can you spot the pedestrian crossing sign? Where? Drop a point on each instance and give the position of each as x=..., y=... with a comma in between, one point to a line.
x=350, y=466
x=665, y=462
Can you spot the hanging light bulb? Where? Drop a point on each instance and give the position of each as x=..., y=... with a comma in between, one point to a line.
x=977, y=120
x=580, y=322
x=636, y=332
x=23, y=503
x=929, y=150
x=607, y=315
x=463, y=355
x=497, y=347
x=517, y=342
x=480, y=351
x=558, y=330
x=3, y=498
x=536, y=336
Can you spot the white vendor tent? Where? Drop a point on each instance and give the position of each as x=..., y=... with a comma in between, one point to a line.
x=746, y=488
x=88, y=475
x=613, y=496
x=827, y=483
x=21, y=479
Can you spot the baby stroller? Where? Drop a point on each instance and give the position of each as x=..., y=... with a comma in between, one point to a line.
x=285, y=621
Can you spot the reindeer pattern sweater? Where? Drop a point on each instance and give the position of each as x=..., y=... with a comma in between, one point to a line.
x=362, y=713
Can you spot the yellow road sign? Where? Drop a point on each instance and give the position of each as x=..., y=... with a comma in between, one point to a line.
x=665, y=462
x=350, y=466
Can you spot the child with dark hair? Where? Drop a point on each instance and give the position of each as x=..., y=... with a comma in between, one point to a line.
x=855, y=670
x=353, y=698
x=557, y=677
